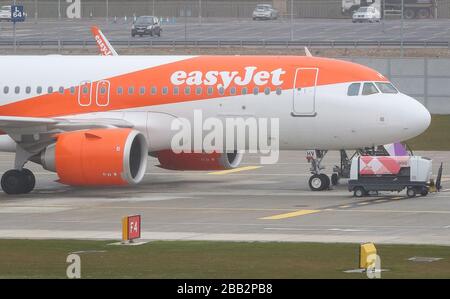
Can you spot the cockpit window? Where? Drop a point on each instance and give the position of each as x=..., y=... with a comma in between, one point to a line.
x=368, y=89
x=386, y=87
x=353, y=89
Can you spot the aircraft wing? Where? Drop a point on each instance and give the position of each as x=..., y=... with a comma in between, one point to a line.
x=103, y=44
x=30, y=132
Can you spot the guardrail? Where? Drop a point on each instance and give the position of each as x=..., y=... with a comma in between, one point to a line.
x=228, y=43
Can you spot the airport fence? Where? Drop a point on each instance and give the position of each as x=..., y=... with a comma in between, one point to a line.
x=191, y=9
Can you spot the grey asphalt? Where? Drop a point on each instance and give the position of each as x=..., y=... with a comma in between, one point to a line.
x=240, y=206
x=237, y=29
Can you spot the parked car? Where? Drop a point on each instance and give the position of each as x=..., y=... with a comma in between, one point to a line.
x=265, y=12
x=366, y=14
x=5, y=13
x=146, y=25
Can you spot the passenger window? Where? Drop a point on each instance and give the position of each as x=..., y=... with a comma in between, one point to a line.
x=165, y=90
x=176, y=90
x=267, y=90
x=142, y=91
x=198, y=91
x=210, y=90
x=233, y=91
x=131, y=90
x=353, y=89
x=5, y=89
x=72, y=90
x=244, y=90
x=255, y=91
x=120, y=91
x=85, y=90
x=386, y=87
x=102, y=90
x=17, y=90
x=50, y=89
x=39, y=90
x=61, y=90
x=154, y=90
x=187, y=91
x=278, y=91
x=221, y=91
x=368, y=89
x=28, y=90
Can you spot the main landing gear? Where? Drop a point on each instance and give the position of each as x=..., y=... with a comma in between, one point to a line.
x=18, y=181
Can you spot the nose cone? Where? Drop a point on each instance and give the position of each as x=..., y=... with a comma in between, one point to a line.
x=416, y=119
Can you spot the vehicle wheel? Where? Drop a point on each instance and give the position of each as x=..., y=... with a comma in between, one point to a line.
x=13, y=182
x=411, y=192
x=409, y=14
x=334, y=179
x=423, y=13
x=30, y=180
x=319, y=182
x=424, y=192
x=359, y=192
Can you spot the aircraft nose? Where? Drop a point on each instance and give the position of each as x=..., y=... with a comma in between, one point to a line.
x=417, y=118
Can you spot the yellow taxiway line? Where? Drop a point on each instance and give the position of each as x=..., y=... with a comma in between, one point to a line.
x=235, y=170
x=290, y=215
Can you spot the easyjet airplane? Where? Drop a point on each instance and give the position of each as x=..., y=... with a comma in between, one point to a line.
x=93, y=120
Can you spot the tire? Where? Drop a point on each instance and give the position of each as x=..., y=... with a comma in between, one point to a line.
x=359, y=192
x=424, y=192
x=334, y=179
x=319, y=182
x=409, y=14
x=30, y=180
x=13, y=182
x=411, y=192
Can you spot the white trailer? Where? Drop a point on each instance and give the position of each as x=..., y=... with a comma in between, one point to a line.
x=391, y=173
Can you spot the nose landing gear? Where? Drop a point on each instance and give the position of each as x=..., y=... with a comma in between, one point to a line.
x=318, y=181
x=18, y=181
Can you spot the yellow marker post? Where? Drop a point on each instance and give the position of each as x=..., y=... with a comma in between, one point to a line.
x=125, y=229
x=365, y=251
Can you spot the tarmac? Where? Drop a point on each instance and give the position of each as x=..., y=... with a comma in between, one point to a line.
x=252, y=203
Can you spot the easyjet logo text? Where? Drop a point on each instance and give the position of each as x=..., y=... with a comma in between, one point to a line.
x=223, y=79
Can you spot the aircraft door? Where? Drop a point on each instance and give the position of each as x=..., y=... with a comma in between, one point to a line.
x=304, y=93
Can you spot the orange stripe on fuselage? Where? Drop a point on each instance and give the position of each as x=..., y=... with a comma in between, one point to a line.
x=56, y=104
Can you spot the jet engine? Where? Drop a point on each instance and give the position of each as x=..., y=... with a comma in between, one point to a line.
x=199, y=161
x=97, y=157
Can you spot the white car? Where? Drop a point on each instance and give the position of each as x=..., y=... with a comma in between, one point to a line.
x=5, y=13
x=366, y=14
x=265, y=12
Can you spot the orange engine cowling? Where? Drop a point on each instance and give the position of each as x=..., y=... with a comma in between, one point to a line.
x=198, y=161
x=97, y=157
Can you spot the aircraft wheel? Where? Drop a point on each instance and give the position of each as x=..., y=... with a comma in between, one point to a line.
x=30, y=180
x=13, y=182
x=319, y=182
x=334, y=179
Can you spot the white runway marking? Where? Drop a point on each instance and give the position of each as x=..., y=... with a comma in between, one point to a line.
x=32, y=210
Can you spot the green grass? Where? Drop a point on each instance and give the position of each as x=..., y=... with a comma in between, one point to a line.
x=436, y=138
x=195, y=259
